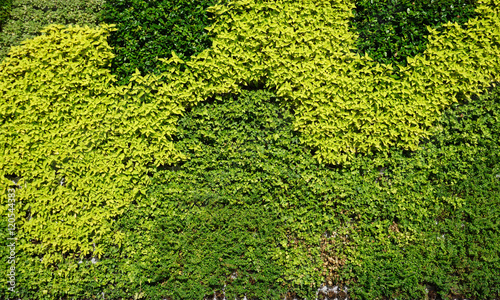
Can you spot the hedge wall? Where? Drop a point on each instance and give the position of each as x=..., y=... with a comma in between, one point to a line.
x=389, y=31
x=252, y=213
x=344, y=104
x=65, y=133
x=323, y=165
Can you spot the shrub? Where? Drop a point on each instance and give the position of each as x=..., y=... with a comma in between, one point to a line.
x=186, y=244
x=28, y=17
x=247, y=172
x=77, y=140
x=345, y=105
x=148, y=30
x=64, y=133
x=427, y=219
x=249, y=201
x=390, y=31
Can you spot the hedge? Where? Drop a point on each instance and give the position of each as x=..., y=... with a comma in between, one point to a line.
x=345, y=105
x=63, y=133
x=252, y=213
x=148, y=30
x=391, y=31
x=101, y=166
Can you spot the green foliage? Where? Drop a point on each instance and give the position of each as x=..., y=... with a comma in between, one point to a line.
x=236, y=187
x=392, y=30
x=148, y=30
x=205, y=220
x=82, y=146
x=430, y=219
x=345, y=105
x=5, y=7
x=220, y=218
x=251, y=202
x=244, y=156
x=28, y=17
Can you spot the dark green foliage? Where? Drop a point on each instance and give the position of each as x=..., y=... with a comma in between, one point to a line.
x=219, y=209
x=391, y=30
x=402, y=223
x=5, y=7
x=226, y=211
x=468, y=156
x=148, y=30
x=200, y=248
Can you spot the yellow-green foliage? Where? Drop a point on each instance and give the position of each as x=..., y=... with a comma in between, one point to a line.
x=82, y=146
x=345, y=104
x=63, y=117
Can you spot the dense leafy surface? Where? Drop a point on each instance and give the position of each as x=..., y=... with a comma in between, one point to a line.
x=28, y=17
x=63, y=133
x=148, y=30
x=216, y=215
x=345, y=105
x=392, y=30
x=389, y=31
x=443, y=203
x=249, y=210
x=5, y=7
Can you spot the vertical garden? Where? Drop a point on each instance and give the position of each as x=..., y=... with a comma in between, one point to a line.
x=259, y=149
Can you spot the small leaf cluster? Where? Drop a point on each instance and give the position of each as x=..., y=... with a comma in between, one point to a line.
x=148, y=30
x=391, y=30
x=28, y=17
